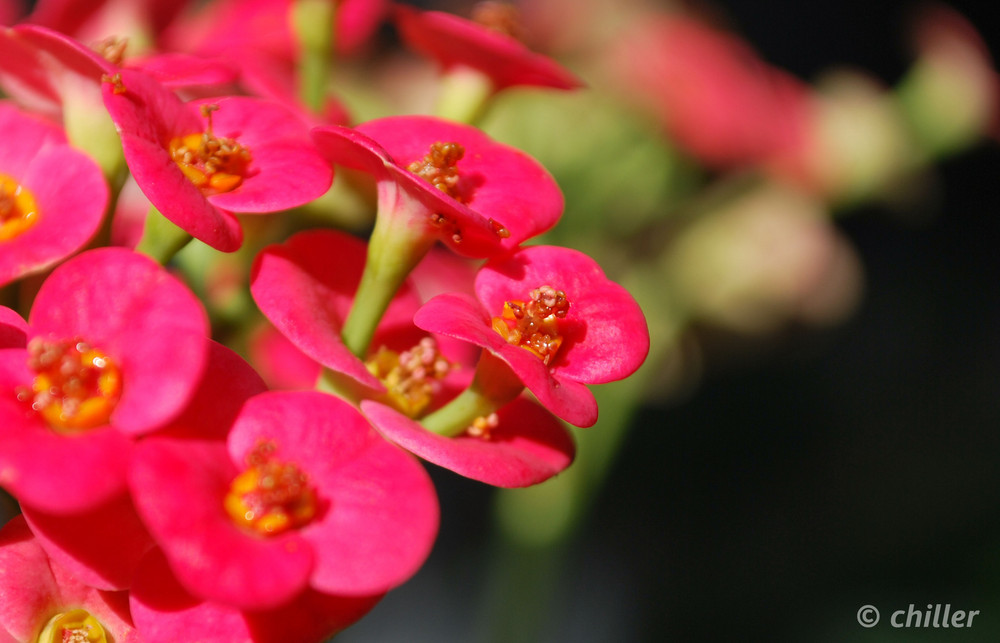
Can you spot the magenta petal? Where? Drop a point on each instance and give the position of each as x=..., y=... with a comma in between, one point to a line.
x=144, y=318
x=382, y=514
x=306, y=286
x=227, y=384
x=101, y=547
x=605, y=336
x=462, y=317
x=183, y=71
x=166, y=613
x=179, y=488
x=454, y=41
x=528, y=446
x=57, y=472
x=13, y=329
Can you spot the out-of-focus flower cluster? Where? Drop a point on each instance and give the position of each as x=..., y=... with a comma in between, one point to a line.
x=256, y=263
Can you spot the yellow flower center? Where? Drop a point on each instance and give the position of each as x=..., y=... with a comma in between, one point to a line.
x=270, y=497
x=76, y=386
x=74, y=626
x=214, y=164
x=412, y=377
x=534, y=325
x=438, y=167
x=18, y=209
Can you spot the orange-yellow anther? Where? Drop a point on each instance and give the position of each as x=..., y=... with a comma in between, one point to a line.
x=74, y=626
x=483, y=425
x=438, y=167
x=270, y=496
x=501, y=17
x=18, y=209
x=214, y=164
x=534, y=325
x=412, y=377
x=76, y=386
x=112, y=49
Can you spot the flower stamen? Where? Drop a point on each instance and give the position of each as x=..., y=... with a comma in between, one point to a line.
x=438, y=167
x=482, y=425
x=75, y=386
x=18, y=208
x=214, y=164
x=74, y=626
x=270, y=496
x=534, y=325
x=112, y=49
x=412, y=378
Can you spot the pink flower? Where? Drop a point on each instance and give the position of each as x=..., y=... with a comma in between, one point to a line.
x=456, y=184
x=553, y=317
x=166, y=613
x=455, y=42
x=43, y=600
x=52, y=197
x=105, y=554
x=306, y=286
x=199, y=162
x=714, y=95
x=116, y=347
x=524, y=446
x=348, y=513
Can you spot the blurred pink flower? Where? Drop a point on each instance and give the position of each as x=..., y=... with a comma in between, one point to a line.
x=552, y=316
x=455, y=42
x=715, y=97
x=52, y=197
x=349, y=514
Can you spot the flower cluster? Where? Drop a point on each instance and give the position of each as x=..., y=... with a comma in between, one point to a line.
x=168, y=489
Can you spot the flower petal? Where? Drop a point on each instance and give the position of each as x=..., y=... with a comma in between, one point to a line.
x=528, y=446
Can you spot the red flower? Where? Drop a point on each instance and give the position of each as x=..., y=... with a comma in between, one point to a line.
x=553, y=317
x=306, y=495
x=116, y=348
x=199, y=162
x=449, y=181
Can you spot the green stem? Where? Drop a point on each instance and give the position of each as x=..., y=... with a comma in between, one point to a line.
x=398, y=243
x=464, y=96
x=161, y=239
x=493, y=386
x=314, y=23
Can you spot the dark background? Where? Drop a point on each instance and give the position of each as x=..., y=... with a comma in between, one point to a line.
x=830, y=470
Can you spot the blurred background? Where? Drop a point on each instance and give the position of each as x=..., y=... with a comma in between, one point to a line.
x=777, y=476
